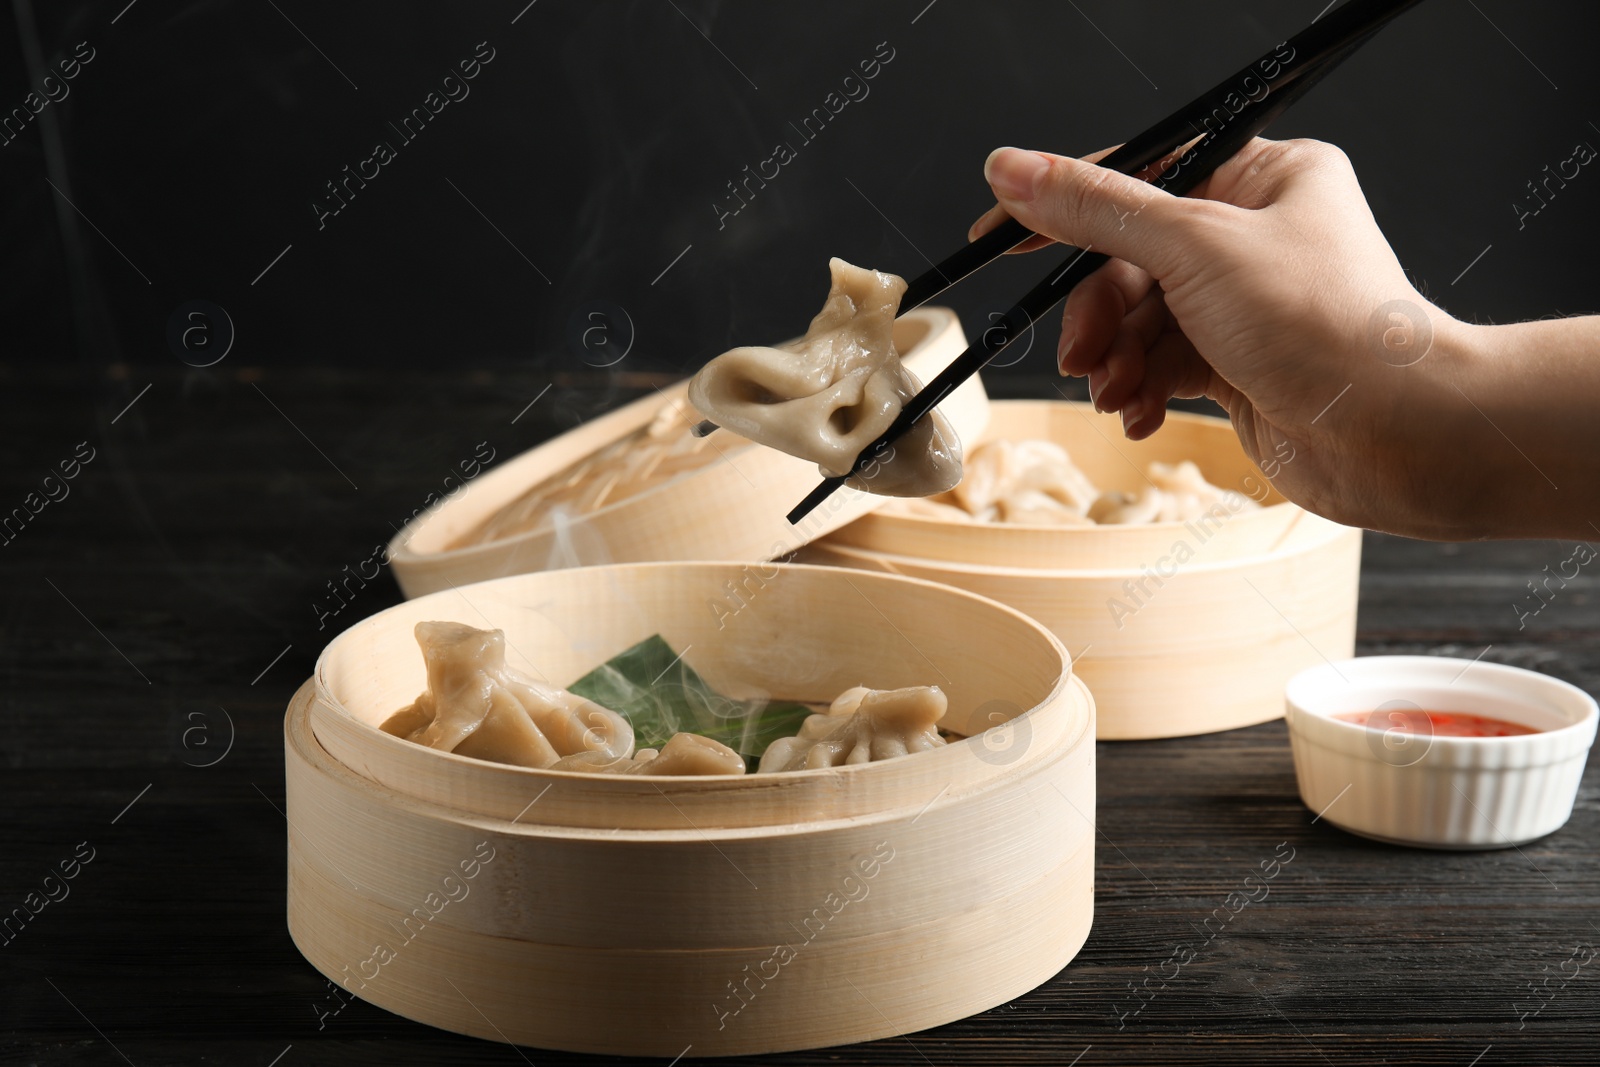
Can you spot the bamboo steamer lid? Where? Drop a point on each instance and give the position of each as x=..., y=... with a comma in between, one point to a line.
x=713, y=916
x=728, y=504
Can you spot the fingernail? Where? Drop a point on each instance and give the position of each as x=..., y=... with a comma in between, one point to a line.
x=1097, y=382
x=1131, y=411
x=1063, y=350
x=1014, y=173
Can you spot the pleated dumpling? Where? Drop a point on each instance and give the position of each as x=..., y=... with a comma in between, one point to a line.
x=1178, y=492
x=1116, y=508
x=862, y=726
x=476, y=705
x=1025, y=481
x=830, y=394
x=682, y=754
x=1188, y=494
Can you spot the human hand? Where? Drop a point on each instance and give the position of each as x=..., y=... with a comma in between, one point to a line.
x=1271, y=290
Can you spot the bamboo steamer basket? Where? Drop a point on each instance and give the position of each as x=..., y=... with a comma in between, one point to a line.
x=1209, y=646
x=730, y=508
x=706, y=916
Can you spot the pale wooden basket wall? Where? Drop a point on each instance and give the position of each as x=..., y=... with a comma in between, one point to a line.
x=733, y=508
x=648, y=897
x=1210, y=647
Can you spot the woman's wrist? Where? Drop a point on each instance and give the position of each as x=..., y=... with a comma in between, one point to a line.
x=1514, y=439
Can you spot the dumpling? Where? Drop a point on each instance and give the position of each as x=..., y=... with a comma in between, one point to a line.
x=475, y=705
x=1178, y=492
x=1035, y=482
x=1000, y=469
x=1187, y=493
x=987, y=476
x=1116, y=508
x=1040, y=508
x=1024, y=482
x=1181, y=477
x=830, y=394
x=682, y=754
x=862, y=726
x=1046, y=468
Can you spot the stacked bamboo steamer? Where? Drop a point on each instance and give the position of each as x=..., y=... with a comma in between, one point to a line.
x=1178, y=628
x=521, y=905
x=719, y=916
x=712, y=916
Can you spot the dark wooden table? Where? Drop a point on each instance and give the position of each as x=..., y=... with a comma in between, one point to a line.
x=158, y=616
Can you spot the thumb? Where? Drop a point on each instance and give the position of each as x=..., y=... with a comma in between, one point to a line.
x=1079, y=203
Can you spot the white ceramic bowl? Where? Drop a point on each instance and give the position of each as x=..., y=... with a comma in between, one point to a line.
x=1438, y=791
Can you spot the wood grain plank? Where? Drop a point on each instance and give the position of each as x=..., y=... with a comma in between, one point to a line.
x=206, y=529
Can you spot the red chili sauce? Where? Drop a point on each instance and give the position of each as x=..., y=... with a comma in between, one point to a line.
x=1436, y=723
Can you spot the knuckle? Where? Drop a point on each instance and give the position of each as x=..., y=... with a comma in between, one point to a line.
x=1278, y=156
x=1210, y=229
x=1277, y=164
x=1328, y=156
x=1306, y=152
x=1081, y=193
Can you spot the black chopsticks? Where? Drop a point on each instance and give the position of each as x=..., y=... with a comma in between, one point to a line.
x=1307, y=51
x=1226, y=118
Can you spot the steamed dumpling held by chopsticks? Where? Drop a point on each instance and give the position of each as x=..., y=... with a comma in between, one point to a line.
x=827, y=396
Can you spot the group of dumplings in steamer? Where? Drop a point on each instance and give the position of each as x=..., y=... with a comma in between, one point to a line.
x=1033, y=481
x=477, y=705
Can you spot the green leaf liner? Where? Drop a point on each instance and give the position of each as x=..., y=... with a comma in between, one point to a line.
x=652, y=687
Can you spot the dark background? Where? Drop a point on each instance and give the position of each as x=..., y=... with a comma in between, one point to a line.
x=154, y=623
x=598, y=139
